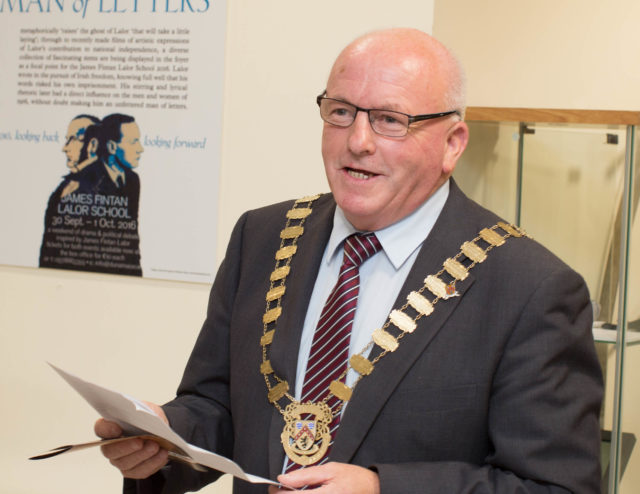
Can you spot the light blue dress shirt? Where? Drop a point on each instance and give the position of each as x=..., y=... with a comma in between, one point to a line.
x=381, y=276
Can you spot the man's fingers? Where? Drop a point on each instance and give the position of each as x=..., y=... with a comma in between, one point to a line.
x=147, y=467
x=334, y=478
x=306, y=476
x=106, y=429
x=136, y=458
x=122, y=449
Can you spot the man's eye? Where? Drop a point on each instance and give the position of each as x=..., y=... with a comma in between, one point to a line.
x=341, y=112
x=388, y=119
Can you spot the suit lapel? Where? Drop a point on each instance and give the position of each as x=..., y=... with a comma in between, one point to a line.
x=284, y=349
x=373, y=391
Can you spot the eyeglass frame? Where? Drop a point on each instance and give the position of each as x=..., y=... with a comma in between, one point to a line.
x=412, y=118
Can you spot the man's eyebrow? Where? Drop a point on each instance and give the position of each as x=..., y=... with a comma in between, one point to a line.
x=390, y=106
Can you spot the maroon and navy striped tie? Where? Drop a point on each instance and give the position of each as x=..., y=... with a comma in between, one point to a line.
x=330, y=348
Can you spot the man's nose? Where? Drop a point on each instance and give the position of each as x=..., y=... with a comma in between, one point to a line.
x=361, y=136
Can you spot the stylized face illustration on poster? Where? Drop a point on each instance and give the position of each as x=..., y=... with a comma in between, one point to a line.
x=91, y=221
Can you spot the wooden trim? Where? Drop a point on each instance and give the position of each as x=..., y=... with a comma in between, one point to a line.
x=533, y=115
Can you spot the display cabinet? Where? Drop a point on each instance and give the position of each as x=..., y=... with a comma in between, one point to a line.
x=570, y=179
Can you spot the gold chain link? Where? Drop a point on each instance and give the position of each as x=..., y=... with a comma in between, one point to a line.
x=294, y=229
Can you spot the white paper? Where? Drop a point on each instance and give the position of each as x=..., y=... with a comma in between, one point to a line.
x=136, y=418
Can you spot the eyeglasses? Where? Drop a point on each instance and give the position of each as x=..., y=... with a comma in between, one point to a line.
x=384, y=122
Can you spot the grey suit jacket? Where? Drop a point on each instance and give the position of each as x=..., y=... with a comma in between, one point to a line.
x=499, y=390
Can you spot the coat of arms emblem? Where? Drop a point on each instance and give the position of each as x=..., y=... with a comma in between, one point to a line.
x=306, y=436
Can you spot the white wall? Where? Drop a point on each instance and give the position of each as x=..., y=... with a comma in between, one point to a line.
x=134, y=335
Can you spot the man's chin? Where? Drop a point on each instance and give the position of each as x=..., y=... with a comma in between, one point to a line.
x=130, y=165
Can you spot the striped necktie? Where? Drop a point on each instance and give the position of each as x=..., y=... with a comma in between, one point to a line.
x=330, y=348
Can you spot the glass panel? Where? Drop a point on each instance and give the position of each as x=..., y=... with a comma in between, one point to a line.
x=630, y=415
x=572, y=183
x=487, y=170
x=572, y=201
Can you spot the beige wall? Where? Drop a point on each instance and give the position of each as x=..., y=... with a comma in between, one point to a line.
x=546, y=54
x=135, y=335
x=281, y=60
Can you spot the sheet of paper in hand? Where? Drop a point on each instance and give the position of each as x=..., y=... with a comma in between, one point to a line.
x=137, y=419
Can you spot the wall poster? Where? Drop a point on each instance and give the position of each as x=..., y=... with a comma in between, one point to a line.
x=110, y=134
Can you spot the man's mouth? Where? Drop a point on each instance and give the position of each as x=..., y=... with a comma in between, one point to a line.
x=359, y=174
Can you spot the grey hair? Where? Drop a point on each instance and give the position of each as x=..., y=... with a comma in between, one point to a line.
x=455, y=97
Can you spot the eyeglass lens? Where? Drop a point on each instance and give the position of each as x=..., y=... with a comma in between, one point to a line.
x=383, y=122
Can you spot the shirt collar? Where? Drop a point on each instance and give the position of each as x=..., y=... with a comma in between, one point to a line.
x=115, y=173
x=398, y=240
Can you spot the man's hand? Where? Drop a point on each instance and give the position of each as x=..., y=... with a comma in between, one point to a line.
x=331, y=478
x=135, y=458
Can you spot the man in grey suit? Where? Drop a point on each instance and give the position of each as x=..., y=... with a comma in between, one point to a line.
x=474, y=367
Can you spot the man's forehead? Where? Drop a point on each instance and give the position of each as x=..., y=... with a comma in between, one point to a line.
x=78, y=126
x=391, y=86
x=393, y=56
x=129, y=130
x=379, y=58
x=395, y=71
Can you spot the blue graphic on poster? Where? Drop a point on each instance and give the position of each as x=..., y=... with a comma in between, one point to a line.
x=91, y=221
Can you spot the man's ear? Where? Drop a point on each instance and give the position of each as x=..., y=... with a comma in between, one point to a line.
x=111, y=146
x=457, y=139
x=92, y=146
